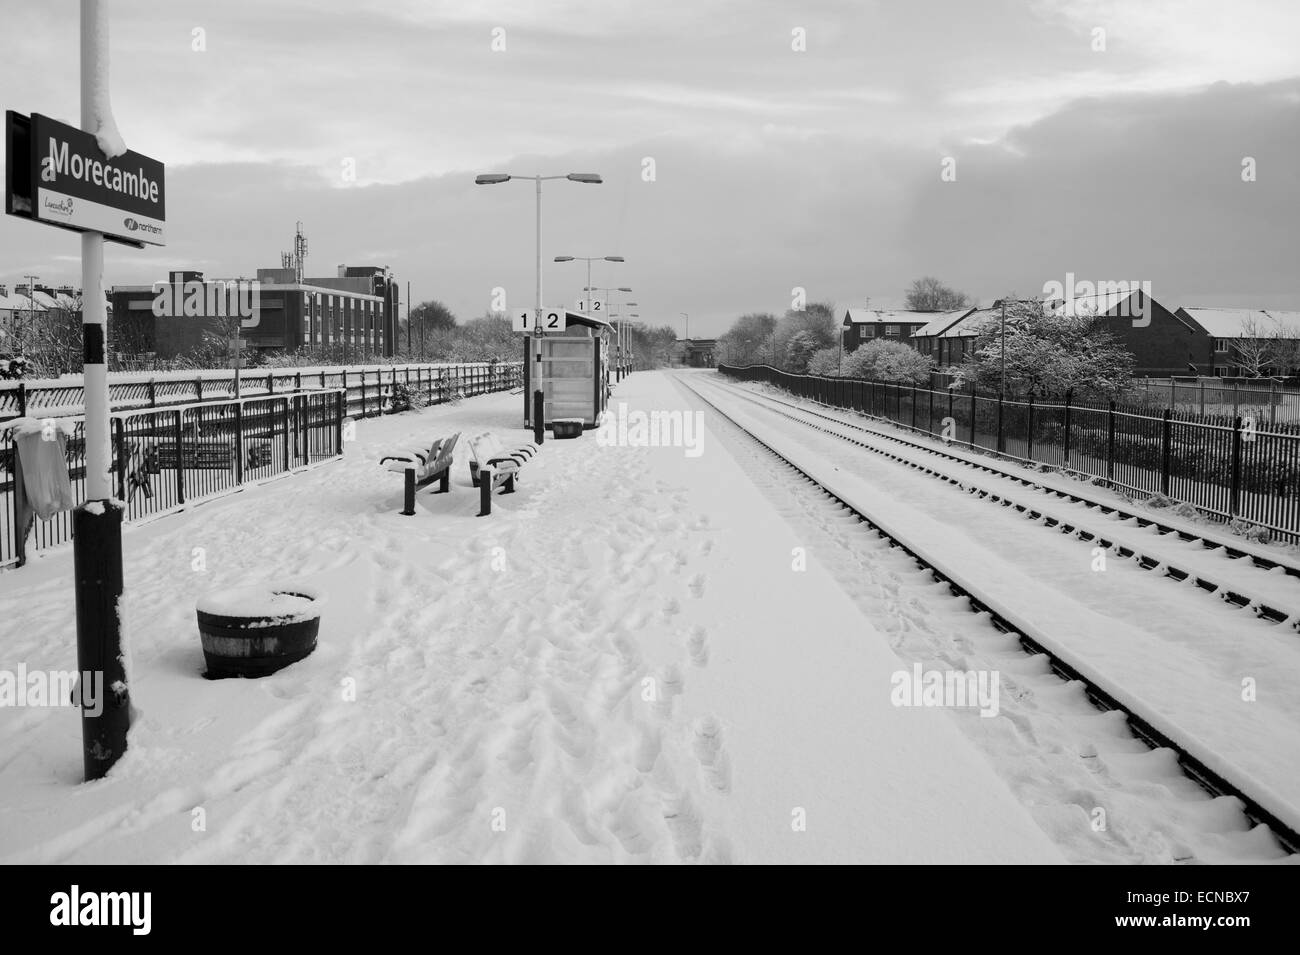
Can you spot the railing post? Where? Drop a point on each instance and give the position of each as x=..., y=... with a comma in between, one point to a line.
x=914, y=407
x=345, y=400
x=178, y=438
x=338, y=420
x=239, y=443
x=119, y=450
x=22, y=400
x=974, y=406
x=1234, y=489
x=1029, y=431
x=1069, y=399
x=270, y=382
x=1166, y=449
x=1110, y=444
x=1001, y=443
x=153, y=395
x=198, y=387
x=288, y=460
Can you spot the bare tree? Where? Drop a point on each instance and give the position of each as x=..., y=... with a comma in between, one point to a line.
x=928, y=294
x=1261, y=348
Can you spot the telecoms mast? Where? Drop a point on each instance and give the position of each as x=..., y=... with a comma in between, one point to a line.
x=298, y=257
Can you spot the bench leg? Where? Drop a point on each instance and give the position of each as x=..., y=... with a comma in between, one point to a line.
x=409, y=509
x=510, y=485
x=444, y=482
x=484, y=492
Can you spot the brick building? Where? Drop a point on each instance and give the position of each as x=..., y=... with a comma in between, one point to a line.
x=862, y=325
x=356, y=309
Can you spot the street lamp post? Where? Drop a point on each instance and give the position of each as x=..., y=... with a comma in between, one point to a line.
x=31, y=310
x=492, y=179
x=618, y=371
x=589, y=260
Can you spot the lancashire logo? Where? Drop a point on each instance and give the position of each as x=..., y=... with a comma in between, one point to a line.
x=60, y=207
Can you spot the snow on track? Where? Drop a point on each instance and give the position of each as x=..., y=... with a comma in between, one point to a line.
x=1273, y=587
x=1178, y=657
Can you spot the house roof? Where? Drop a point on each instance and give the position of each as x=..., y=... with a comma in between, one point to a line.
x=1236, y=322
x=941, y=322
x=581, y=318
x=970, y=324
x=878, y=316
x=1101, y=303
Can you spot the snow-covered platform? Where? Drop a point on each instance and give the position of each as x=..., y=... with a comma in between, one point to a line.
x=625, y=662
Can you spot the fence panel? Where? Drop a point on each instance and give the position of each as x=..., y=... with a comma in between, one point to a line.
x=164, y=458
x=1245, y=468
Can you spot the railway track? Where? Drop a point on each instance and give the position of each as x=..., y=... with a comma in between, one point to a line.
x=1103, y=695
x=1269, y=608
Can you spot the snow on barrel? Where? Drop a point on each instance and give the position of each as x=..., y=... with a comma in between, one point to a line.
x=255, y=631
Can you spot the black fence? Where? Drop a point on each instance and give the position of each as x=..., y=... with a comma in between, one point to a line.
x=169, y=457
x=366, y=386
x=172, y=452
x=1230, y=468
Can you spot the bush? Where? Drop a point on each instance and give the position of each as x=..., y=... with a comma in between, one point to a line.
x=881, y=360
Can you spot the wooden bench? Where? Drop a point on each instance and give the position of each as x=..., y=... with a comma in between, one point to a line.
x=421, y=466
x=492, y=464
x=208, y=456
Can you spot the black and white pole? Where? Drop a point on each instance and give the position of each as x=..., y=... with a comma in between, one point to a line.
x=97, y=524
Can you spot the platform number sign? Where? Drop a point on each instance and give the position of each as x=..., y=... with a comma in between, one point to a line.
x=553, y=320
x=592, y=306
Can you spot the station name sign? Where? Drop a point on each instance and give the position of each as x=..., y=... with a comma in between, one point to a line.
x=57, y=174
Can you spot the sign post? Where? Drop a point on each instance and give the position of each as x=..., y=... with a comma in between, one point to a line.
x=59, y=175
x=97, y=525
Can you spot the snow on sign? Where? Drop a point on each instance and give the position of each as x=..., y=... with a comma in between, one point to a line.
x=57, y=174
x=553, y=320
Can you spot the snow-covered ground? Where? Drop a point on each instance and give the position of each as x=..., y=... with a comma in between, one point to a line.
x=1176, y=654
x=624, y=663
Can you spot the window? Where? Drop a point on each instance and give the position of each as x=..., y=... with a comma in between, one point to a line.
x=1220, y=344
x=891, y=329
x=868, y=331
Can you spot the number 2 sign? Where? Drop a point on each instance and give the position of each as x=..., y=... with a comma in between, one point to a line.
x=522, y=320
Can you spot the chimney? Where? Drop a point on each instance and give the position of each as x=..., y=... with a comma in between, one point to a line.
x=343, y=271
x=4, y=290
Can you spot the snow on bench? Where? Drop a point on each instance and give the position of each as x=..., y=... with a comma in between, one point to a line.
x=490, y=459
x=421, y=465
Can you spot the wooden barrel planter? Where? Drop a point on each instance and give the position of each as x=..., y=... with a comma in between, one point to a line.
x=255, y=631
x=566, y=427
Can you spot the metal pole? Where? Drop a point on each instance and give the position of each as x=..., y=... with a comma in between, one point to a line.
x=539, y=396
x=1002, y=379
x=31, y=311
x=97, y=531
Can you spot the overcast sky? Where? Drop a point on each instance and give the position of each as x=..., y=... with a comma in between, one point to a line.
x=774, y=168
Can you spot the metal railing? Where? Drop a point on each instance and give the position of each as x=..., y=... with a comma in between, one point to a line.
x=366, y=386
x=171, y=452
x=1231, y=468
x=165, y=458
